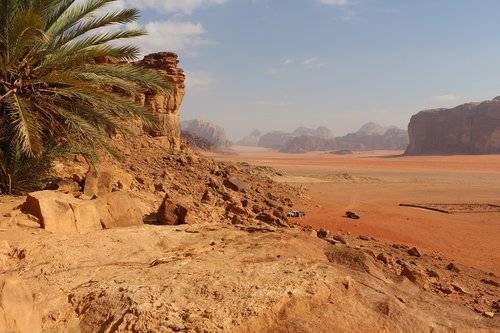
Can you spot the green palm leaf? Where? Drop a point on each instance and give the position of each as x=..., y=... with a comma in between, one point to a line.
x=55, y=95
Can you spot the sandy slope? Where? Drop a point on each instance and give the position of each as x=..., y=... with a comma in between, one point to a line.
x=375, y=183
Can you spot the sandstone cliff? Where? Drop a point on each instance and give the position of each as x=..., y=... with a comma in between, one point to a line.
x=472, y=128
x=165, y=106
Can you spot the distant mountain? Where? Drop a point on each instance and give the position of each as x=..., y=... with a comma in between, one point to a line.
x=392, y=139
x=373, y=128
x=274, y=139
x=277, y=139
x=251, y=139
x=321, y=132
x=371, y=136
x=206, y=130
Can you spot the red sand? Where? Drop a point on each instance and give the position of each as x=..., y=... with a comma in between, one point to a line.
x=381, y=180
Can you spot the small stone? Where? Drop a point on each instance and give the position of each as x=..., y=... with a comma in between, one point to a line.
x=445, y=288
x=365, y=238
x=322, y=233
x=490, y=282
x=384, y=258
x=414, y=252
x=432, y=273
x=452, y=267
x=489, y=314
x=400, y=246
x=340, y=238
x=459, y=288
x=415, y=276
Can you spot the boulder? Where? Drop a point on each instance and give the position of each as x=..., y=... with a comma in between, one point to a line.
x=18, y=312
x=172, y=211
x=59, y=212
x=235, y=184
x=121, y=209
x=53, y=209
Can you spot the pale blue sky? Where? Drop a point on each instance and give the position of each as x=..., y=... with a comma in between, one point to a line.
x=280, y=64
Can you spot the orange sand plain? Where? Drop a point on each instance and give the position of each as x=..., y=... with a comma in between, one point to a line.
x=375, y=183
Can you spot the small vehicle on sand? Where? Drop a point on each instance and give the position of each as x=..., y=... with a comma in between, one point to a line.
x=295, y=213
x=352, y=215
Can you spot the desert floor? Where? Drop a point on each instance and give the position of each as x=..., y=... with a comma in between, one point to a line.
x=375, y=183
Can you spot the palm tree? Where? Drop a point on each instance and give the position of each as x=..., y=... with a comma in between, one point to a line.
x=54, y=94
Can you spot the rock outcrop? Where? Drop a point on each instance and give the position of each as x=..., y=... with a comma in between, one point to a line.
x=204, y=129
x=243, y=278
x=472, y=128
x=165, y=106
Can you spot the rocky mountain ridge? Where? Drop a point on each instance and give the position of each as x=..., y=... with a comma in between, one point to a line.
x=370, y=136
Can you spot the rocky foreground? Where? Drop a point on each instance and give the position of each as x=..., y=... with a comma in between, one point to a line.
x=236, y=264
x=235, y=278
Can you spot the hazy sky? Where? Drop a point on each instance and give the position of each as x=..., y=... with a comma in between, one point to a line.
x=280, y=64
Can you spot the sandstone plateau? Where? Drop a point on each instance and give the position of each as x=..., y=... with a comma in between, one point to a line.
x=472, y=128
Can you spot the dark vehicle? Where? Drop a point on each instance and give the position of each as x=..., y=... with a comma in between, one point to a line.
x=352, y=215
x=295, y=213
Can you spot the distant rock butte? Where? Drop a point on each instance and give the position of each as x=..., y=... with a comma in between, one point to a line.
x=472, y=128
x=206, y=130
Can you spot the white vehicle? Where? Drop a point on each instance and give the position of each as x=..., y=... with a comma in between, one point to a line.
x=295, y=213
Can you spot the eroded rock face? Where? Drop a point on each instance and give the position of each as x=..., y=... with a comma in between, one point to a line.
x=166, y=106
x=206, y=130
x=472, y=128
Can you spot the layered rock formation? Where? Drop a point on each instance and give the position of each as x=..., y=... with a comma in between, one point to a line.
x=206, y=130
x=472, y=128
x=165, y=106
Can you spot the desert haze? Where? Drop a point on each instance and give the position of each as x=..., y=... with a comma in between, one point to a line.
x=375, y=183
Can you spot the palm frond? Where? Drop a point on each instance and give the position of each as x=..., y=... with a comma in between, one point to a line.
x=26, y=126
x=119, y=17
